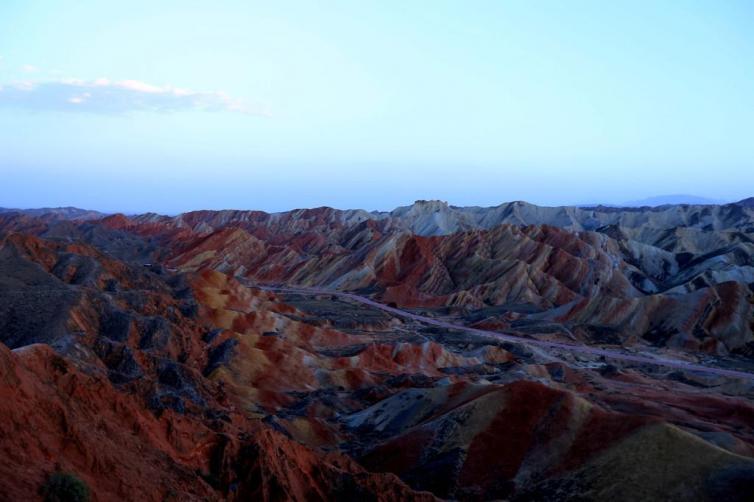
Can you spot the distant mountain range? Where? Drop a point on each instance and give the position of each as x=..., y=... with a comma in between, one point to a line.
x=66, y=213
x=677, y=199
x=75, y=213
x=662, y=200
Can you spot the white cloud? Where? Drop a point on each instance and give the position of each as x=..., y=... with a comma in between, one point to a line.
x=104, y=95
x=28, y=68
x=135, y=85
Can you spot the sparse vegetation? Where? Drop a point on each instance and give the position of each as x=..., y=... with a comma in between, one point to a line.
x=65, y=487
x=59, y=364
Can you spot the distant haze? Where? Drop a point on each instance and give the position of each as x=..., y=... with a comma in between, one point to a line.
x=662, y=200
x=178, y=105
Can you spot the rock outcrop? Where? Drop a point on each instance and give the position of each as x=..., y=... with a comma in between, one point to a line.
x=141, y=355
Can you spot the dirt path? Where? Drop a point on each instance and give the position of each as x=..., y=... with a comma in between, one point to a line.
x=575, y=348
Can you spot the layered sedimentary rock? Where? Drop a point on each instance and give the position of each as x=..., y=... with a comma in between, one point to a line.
x=590, y=282
x=136, y=346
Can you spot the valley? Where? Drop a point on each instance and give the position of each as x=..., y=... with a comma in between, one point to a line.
x=432, y=352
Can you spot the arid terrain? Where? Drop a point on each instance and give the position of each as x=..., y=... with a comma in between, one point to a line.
x=514, y=352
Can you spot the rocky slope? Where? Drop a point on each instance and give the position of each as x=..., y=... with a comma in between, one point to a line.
x=644, y=280
x=140, y=345
x=107, y=379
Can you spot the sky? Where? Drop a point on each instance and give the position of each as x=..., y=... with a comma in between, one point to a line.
x=171, y=106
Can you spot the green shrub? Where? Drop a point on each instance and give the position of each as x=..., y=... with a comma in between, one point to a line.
x=65, y=487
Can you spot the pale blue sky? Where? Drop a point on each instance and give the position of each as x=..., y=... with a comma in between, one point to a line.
x=175, y=105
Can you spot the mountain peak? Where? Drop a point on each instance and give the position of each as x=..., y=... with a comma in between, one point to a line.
x=433, y=203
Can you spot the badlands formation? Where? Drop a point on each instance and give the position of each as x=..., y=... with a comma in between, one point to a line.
x=322, y=354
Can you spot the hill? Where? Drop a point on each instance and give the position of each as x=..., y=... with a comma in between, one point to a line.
x=515, y=352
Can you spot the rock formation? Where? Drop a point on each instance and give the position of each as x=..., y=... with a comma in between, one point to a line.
x=148, y=356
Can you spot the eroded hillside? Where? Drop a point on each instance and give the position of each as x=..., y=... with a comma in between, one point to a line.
x=151, y=344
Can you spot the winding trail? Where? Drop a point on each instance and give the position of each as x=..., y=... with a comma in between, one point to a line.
x=575, y=348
